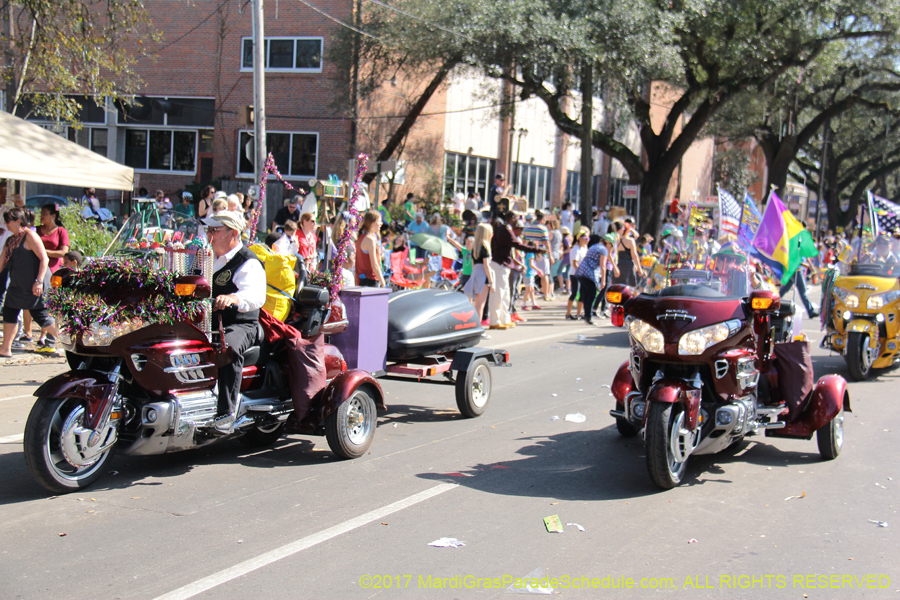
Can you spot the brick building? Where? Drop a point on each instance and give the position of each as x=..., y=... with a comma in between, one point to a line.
x=184, y=128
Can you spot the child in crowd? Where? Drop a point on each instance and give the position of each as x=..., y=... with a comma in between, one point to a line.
x=467, y=263
x=530, y=271
x=73, y=259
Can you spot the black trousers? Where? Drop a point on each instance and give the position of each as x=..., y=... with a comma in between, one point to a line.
x=239, y=337
x=588, y=291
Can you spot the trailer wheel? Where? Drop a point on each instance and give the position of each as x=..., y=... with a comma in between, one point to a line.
x=473, y=388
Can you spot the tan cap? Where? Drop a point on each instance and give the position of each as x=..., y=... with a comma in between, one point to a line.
x=229, y=219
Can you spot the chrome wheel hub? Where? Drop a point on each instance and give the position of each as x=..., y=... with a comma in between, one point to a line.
x=479, y=386
x=681, y=442
x=357, y=424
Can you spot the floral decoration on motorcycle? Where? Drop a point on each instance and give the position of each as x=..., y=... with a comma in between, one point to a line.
x=79, y=305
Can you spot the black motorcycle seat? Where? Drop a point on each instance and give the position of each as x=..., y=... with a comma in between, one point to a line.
x=251, y=356
x=688, y=290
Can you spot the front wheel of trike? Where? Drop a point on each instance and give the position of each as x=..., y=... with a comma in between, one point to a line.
x=859, y=356
x=351, y=428
x=830, y=437
x=473, y=388
x=56, y=446
x=668, y=444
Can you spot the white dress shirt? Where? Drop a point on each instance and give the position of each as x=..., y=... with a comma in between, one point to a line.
x=250, y=279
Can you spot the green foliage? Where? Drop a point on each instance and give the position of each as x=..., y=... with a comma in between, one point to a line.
x=87, y=237
x=732, y=171
x=708, y=51
x=58, y=47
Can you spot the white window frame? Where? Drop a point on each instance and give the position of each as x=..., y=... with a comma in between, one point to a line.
x=244, y=175
x=194, y=130
x=285, y=70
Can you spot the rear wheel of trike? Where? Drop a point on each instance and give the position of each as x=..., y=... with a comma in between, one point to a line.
x=859, y=356
x=56, y=448
x=350, y=429
x=830, y=437
x=625, y=428
x=473, y=388
x=668, y=444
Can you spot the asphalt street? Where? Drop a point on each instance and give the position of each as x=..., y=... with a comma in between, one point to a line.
x=764, y=519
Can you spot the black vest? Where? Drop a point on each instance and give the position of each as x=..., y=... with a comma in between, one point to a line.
x=223, y=283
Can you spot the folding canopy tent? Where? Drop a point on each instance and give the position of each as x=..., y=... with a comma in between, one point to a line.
x=31, y=153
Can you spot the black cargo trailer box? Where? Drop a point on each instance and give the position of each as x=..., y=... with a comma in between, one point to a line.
x=423, y=322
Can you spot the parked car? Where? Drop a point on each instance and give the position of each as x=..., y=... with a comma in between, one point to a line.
x=36, y=202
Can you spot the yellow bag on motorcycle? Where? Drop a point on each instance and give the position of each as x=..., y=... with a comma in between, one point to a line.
x=279, y=274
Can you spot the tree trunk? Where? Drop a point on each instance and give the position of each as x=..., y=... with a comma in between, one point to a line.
x=785, y=150
x=587, y=143
x=410, y=119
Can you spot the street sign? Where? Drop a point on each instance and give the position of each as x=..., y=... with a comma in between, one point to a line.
x=631, y=191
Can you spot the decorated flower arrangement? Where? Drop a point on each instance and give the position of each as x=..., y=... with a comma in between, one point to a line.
x=78, y=311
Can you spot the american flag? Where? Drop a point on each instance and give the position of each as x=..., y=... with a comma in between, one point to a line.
x=887, y=214
x=729, y=213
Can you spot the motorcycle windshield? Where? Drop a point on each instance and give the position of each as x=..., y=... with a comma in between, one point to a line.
x=144, y=227
x=730, y=284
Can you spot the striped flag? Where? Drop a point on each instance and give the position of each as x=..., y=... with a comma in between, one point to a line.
x=729, y=213
x=749, y=220
x=887, y=213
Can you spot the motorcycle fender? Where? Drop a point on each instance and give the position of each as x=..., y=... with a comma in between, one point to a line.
x=828, y=398
x=89, y=385
x=670, y=391
x=342, y=387
x=623, y=384
x=864, y=326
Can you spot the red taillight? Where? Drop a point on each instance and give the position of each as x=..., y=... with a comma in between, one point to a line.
x=618, y=316
x=343, y=365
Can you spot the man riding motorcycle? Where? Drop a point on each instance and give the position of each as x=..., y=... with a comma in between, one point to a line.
x=239, y=291
x=882, y=252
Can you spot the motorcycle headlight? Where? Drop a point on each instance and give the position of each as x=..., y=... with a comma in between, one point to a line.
x=646, y=335
x=697, y=341
x=848, y=298
x=878, y=301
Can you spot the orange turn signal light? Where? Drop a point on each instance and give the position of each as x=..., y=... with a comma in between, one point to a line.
x=614, y=297
x=185, y=289
x=56, y=281
x=760, y=303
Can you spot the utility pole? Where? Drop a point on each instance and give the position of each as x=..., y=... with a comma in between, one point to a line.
x=259, y=101
x=587, y=146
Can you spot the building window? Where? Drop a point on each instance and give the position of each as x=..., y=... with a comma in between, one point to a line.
x=533, y=182
x=168, y=111
x=297, y=54
x=295, y=154
x=161, y=150
x=92, y=138
x=466, y=174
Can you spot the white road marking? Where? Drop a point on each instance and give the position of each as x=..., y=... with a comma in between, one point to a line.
x=17, y=397
x=12, y=438
x=238, y=570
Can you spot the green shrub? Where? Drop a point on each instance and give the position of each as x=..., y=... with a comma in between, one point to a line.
x=87, y=237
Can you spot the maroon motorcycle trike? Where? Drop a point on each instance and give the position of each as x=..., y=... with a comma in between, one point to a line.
x=144, y=353
x=712, y=362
